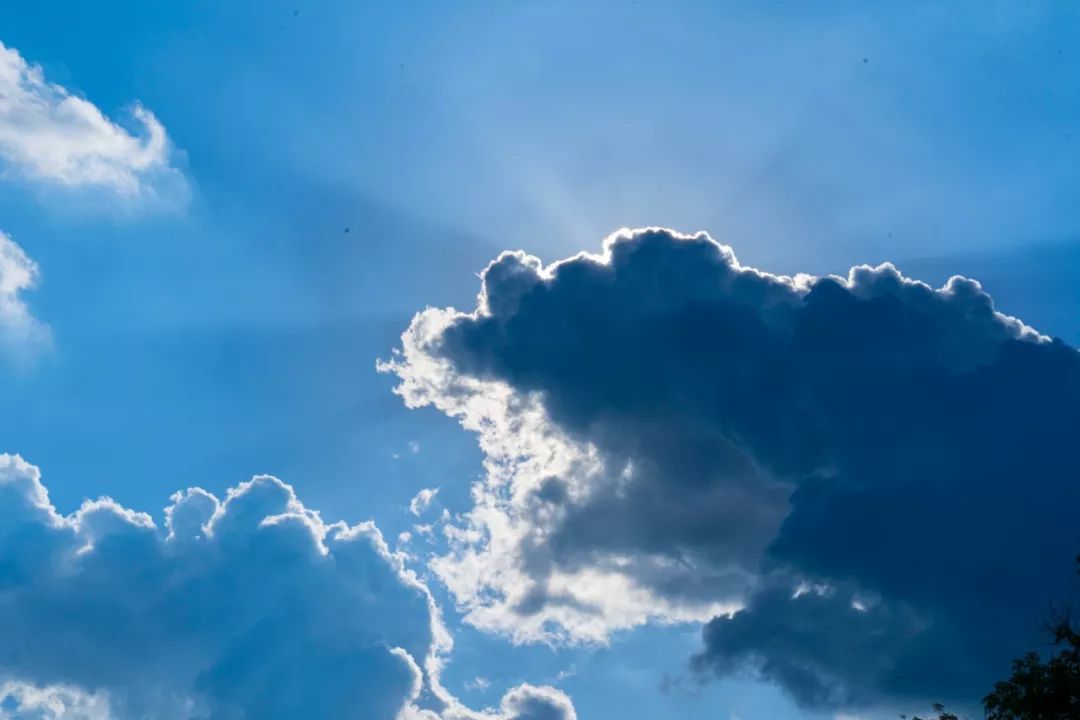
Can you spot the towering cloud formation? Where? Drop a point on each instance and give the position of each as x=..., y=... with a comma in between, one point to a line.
x=49, y=135
x=870, y=484
x=247, y=607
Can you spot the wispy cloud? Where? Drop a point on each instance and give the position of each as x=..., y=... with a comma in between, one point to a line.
x=422, y=501
x=49, y=135
x=51, y=702
x=20, y=332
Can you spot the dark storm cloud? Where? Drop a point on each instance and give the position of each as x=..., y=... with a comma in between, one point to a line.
x=870, y=435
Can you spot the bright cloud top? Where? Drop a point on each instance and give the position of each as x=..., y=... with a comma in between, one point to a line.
x=19, y=331
x=670, y=435
x=247, y=607
x=48, y=135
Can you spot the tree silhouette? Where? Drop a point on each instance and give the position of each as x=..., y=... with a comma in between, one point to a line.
x=1038, y=689
x=941, y=714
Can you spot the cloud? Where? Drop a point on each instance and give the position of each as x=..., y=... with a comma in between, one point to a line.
x=50, y=136
x=419, y=504
x=23, y=701
x=526, y=702
x=20, y=332
x=478, y=683
x=824, y=645
x=250, y=606
x=670, y=436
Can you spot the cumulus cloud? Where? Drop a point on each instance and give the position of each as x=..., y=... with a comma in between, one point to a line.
x=527, y=702
x=244, y=607
x=867, y=484
x=19, y=330
x=49, y=135
x=524, y=702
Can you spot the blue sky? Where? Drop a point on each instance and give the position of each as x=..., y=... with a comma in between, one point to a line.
x=334, y=168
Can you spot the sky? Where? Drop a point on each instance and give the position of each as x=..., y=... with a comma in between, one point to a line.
x=314, y=409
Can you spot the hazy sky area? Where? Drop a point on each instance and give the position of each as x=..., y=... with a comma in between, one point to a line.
x=249, y=238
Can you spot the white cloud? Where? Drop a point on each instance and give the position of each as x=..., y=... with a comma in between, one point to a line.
x=247, y=606
x=527, y=702
x=567, y=673
x=24, y=701
x=422, y=501
x=20, y=332
x=49, y=135
x=485, y=569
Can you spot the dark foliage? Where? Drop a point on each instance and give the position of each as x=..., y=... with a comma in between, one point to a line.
x=1042, y=689
x=1039, y=689
x=939, y=709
